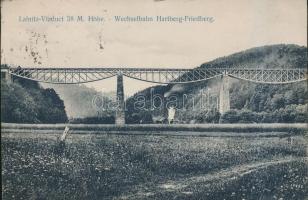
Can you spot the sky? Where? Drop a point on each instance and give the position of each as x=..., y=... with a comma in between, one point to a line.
x=237, y=25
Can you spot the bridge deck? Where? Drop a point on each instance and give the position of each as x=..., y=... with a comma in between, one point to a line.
x=159, y=75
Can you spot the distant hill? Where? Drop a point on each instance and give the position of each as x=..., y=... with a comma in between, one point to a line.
x=82, y=102
x=250, y=102
x=273, y=56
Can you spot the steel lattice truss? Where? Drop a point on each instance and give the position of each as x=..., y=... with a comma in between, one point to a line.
x=157, y=75
x=273, y=76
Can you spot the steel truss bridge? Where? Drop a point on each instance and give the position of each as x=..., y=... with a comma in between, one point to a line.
x=159, y=75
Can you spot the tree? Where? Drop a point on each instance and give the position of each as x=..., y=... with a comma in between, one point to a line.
x=230, y=116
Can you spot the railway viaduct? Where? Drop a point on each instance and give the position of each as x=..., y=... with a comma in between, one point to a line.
x=157, y=75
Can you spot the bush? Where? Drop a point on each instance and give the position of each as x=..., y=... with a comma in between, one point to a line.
x=289, y=114
x=231, y=116
x=94, y=120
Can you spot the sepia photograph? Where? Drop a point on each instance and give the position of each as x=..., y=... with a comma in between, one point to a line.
x=154, y=100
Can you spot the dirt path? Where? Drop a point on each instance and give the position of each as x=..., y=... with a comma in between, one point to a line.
x=218, y=177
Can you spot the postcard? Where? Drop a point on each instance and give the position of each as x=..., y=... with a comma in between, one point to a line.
x=154, y=99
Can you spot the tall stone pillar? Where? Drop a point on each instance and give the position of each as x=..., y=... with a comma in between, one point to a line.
x=5, y=75
x=224, y=96
x=120, y=111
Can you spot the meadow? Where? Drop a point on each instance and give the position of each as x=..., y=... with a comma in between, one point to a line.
x=112, y=166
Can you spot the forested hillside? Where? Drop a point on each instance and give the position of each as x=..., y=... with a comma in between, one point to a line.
x=84, y=104
x=25, y=101
x=250, y=102
x=77, y=99
x=273, y=56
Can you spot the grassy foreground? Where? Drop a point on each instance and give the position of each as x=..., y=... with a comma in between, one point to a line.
x=36, y=166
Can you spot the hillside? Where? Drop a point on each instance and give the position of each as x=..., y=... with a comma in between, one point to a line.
x=84, y=104
x=25, y=101
x=250, y=102
x=273, y=56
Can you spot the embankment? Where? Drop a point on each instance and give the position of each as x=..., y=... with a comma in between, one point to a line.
x=163, y=129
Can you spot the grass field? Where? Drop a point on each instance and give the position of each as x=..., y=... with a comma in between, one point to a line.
x=94, y=166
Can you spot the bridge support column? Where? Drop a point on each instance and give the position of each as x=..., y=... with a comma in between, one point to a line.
x=120, y=111
x=5, y=75
x=224, y=97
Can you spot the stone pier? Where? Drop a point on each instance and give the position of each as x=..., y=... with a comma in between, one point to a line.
x=120, y=111
x=224, y=96
x=5, y=75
